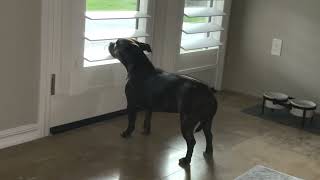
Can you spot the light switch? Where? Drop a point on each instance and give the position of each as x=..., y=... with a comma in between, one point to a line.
x=276, y=47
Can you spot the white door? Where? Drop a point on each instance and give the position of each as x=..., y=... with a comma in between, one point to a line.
x=85, y=80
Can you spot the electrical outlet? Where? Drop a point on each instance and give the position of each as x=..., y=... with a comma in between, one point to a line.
x=276, y=47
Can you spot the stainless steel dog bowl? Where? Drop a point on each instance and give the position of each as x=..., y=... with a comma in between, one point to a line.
x=299, y=106
x=272, y=97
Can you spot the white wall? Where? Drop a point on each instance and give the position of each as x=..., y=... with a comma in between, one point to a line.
x=250, y=67
x=20, y=62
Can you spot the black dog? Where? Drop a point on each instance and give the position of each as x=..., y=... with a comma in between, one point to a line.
x=155, y=90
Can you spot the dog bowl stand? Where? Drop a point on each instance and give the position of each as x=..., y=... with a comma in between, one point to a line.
x=304, y=119
x=283, y=102
x=278, y=100
x=305, y=110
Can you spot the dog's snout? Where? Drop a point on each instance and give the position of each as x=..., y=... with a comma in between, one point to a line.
x=111, y=44
x=111, y=49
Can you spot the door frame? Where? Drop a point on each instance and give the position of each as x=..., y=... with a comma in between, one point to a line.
x=49, y=27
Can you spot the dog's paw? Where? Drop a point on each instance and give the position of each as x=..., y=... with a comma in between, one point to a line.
x=146, y=132
x=184, y=162
x=125, y=134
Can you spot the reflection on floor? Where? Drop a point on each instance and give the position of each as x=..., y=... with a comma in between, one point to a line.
x=97, y=152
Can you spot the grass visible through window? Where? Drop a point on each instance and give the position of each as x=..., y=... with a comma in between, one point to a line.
x=195, y=20
x=111, y=5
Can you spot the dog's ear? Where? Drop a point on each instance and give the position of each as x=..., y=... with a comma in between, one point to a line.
x=145, y=47
x=142, y=46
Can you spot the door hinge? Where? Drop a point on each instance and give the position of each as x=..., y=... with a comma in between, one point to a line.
x=53, y=84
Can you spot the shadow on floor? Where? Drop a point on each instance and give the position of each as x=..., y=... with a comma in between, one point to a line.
x=285, y=118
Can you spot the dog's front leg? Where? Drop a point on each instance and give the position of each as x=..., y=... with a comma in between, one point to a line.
x=147, y=122
x=132, y=114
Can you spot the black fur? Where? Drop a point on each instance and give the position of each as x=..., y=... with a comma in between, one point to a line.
x=155, y=90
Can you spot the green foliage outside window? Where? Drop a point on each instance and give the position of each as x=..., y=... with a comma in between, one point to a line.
x=111, y=5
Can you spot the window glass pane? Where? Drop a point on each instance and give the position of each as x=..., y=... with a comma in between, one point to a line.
x=216, y=4
x=215, y=35
x=217, y=20
x=98, y=50
x=196, y=3
x=112, y=5
x=195, y=20
x=193, y=36
x=110, y=25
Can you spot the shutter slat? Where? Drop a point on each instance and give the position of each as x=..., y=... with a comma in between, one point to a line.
x=192, y=44
x=193, y=28
x=202, y=12
x=107, y=15
x=110, y=35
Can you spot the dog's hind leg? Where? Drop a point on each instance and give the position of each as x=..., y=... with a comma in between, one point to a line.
x=189, y=137
x=132, y=114
x=187, y=128
x=147, y=122
x=208, y=134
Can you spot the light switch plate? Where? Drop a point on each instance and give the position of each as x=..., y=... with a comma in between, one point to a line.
x=276, y=47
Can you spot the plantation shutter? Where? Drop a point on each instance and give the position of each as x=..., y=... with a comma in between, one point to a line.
x=98, y=40
x=208, y=27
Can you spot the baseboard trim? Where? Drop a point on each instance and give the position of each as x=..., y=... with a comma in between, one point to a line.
x=19, y=135
x=251, y=95
x=85, y=122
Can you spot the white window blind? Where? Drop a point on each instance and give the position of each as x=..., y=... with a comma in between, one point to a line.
x=106, y=21
x=202, y=25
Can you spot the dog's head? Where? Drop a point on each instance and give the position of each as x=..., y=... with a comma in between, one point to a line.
x=127, y=49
